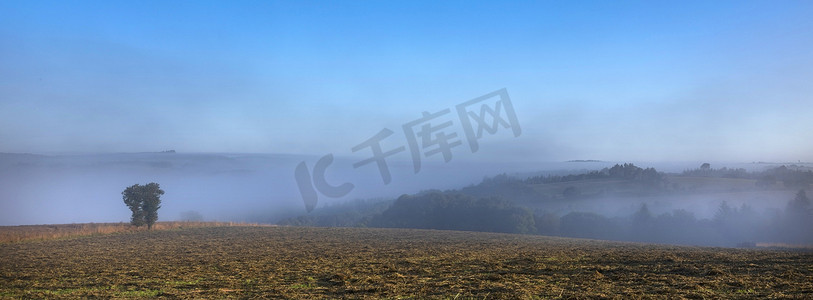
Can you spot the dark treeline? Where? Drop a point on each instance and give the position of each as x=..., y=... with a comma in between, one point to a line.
x=648, y=181
x=356, y=213
x=792, y=176
x=454, y=211
x=730, y=226
x=500, y=204
x=626, y=171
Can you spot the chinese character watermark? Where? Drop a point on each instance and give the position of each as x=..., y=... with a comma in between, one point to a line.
x=429, y=135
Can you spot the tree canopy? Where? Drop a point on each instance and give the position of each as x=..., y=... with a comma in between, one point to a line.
x=144, y=201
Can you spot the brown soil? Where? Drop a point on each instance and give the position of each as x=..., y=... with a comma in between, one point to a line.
x=295, y=262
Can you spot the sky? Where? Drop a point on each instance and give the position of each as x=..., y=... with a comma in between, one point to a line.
x=608, y=80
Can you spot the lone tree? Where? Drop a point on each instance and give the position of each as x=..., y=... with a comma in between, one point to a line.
x=144, y=201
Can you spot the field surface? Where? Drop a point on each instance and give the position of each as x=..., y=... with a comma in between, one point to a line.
x=296, y=262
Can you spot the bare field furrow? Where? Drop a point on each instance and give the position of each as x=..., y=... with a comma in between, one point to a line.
x=312, y=263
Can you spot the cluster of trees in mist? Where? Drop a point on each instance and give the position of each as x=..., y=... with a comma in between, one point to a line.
x=730, y=225
x=791, y=177
x=450, y=211
x=626, y=171
x=500, y=204
x=647, y=181
x=427, y=210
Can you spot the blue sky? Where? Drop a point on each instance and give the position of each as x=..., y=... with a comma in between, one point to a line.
x=612, y=80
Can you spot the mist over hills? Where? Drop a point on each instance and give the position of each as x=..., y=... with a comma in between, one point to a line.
x=86, y=188
x=68, y=188
x=702, y=206
x=47, y=189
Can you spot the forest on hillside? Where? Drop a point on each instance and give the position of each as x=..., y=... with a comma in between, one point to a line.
x=517, y=205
